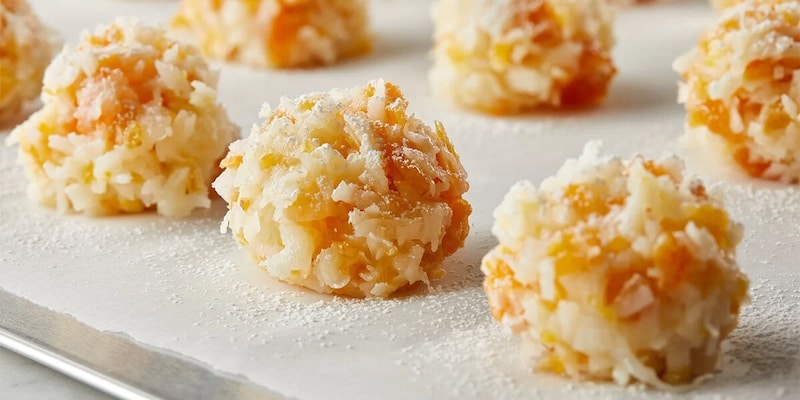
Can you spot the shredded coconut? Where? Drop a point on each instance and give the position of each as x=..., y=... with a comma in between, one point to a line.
x=509, y=56
x=620, y=270
x=26, y=48
x=345, y=193
x=276, y=33
x=741, y=85
x=130, y=122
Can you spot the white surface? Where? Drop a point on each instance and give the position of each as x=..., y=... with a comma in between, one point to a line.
x=181, y=286
x=23, y=379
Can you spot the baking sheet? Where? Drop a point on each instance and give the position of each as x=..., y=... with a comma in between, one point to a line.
x=112, y=362
x=180, y=286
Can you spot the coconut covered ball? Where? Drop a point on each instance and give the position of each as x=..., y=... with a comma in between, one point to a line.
x=26, y=48
x=508, y=56
x=741, y=88
x=346, y=193
x=620, y=270
x=276, y=33
x=720, y=5
x=130, y=122
x=632, y=3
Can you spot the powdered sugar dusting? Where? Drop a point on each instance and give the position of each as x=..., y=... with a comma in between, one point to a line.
x=226, y=312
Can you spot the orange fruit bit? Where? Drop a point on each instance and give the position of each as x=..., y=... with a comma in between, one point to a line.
x=672, y=259
x=283, y=34
x=753, y=168
x=590, y=85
